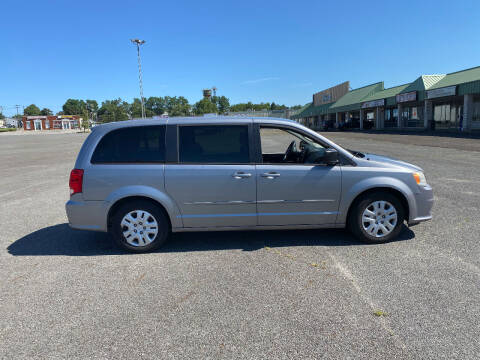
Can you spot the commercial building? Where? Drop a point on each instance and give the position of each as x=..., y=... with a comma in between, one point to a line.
x=441, y=101
x=51, y=122
x=12, y=122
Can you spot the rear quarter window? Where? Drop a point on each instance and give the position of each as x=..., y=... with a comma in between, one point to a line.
x=137, y=144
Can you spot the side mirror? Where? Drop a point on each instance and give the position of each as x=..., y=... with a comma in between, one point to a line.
x=329, y=157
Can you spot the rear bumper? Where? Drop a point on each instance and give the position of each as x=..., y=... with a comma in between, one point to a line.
x=87, y=215
x=424, y=204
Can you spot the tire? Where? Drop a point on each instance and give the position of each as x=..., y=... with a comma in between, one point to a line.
x=133, y=233
x=372, y=231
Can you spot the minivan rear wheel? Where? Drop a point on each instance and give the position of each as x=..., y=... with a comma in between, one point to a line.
x=139, y=226
x=377, y=217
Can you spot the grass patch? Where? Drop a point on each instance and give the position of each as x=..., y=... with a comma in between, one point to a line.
x=7, y=129
x=380, y=313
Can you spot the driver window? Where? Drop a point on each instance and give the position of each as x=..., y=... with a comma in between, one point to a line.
x=280, y=146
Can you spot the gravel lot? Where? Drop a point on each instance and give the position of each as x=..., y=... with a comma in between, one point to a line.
x=292, y=294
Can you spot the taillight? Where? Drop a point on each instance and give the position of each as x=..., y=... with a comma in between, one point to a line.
x=76, y=181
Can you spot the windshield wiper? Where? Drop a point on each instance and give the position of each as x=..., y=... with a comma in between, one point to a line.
x=357, y=153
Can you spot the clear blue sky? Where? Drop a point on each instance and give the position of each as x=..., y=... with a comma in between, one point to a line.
x=280, y=51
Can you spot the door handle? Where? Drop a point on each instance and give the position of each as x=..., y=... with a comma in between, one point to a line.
x=271, y=175
x=241, y=175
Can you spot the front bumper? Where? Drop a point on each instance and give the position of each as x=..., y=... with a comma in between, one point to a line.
x=424, y=203
x=87, y=215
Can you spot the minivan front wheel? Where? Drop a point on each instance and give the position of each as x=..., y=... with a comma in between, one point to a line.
x=377, y=217
x=139, y=226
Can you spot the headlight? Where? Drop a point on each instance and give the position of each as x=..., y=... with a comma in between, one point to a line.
x=420, y=178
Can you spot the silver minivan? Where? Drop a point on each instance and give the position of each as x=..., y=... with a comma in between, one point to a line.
x=142, y=179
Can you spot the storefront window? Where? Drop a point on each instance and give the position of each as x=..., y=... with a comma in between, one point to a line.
x=47, y=124
x=28, y=124
x=447, y=116
x=355, y=119
x=412, y=116
x=369, y=121
x=476, y=110
x=391, y=118
x=416, y=117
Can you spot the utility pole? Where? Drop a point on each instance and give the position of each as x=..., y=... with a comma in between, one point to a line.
x=17, y=106
x=139, y=42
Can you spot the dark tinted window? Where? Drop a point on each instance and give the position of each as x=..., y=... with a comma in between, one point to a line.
x=138, y=144
x=226, y=144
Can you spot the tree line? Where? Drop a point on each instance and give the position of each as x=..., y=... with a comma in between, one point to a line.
x=119, y=110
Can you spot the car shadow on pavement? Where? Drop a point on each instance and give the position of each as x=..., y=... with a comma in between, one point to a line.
x=62, y=240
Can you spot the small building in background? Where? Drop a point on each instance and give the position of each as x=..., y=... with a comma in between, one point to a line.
x=13, y=123
x=51, y=122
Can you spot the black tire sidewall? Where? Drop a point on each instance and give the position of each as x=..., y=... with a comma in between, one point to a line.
x=355, y=221
x=163, y=227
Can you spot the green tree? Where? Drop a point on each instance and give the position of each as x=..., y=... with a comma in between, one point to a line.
x=157, y=105
x=204, y=106
x=177, y=106
x=92, y=108
x=74, y=107
x=2, y=116
x=222, y=103
x=274, y=106
x=113, y=110
x=46, y=111
x=135, y=109
x=31, y=110
x=257, y=107
x=92, y=105
x=85, y=124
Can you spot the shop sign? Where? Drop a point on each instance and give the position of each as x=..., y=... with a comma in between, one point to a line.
x=331, y=94
x=374, y=103
x=405, y=97
x=446, y=91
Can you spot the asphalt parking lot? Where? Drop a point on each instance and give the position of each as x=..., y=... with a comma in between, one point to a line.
x=248, y=295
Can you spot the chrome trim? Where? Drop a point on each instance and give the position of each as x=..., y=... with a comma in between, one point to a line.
x=293, y=201
x=259, y=214
x=232, y=202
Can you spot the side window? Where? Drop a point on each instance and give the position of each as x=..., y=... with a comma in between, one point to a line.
x=284, y=146
x=137, y=144
x=221, y=144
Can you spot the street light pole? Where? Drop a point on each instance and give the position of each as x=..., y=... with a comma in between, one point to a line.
x=139, y=42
